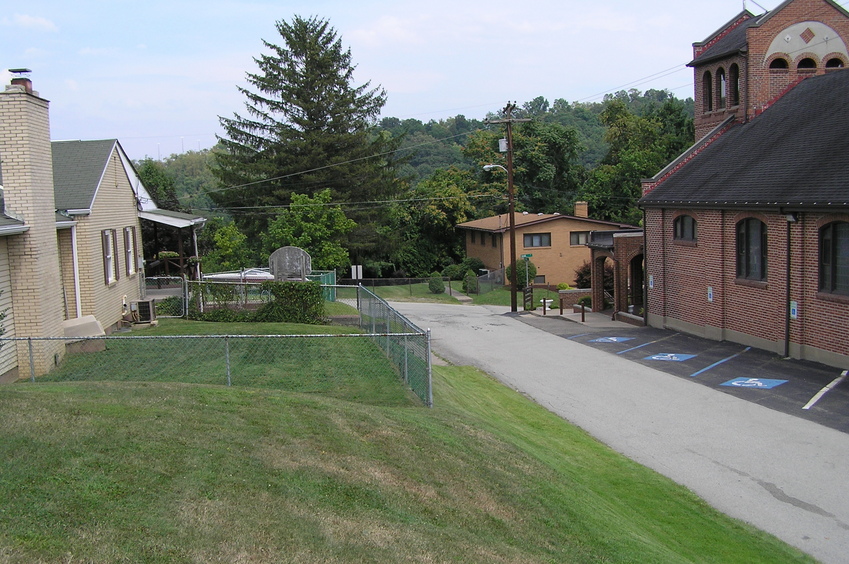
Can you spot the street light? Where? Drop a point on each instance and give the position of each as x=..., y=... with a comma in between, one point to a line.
x=512, y=223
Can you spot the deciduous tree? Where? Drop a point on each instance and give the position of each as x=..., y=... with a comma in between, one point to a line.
x=316, y=226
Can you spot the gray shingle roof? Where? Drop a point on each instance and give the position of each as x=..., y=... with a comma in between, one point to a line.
x=793, y=154
x=731, y=43
x=78, y=167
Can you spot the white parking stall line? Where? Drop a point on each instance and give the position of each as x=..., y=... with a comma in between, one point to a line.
x=822, y=392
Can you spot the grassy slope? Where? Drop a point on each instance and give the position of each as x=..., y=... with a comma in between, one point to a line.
x=172, y=472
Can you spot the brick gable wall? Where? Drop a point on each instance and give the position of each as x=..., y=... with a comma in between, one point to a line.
x=760, y=85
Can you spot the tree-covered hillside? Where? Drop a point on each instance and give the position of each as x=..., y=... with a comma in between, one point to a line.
x=311, y=137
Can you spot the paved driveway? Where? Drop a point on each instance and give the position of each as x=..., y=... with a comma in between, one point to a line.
x=801, y=388
x=782, y=473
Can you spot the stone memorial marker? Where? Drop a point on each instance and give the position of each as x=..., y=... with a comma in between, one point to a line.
x=290, y=263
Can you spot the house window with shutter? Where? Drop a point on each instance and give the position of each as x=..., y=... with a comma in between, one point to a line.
x=109, y=238
x=130, y=249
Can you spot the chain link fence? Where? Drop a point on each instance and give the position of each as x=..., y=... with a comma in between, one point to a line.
x=364, y=367
x=490, y=281
x=169, y=295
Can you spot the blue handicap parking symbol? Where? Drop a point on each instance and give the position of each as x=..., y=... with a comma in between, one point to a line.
x=611, y=340
x=761, y=383
x=670, y=357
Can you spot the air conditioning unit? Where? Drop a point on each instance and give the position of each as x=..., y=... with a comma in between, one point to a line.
x=144, y=311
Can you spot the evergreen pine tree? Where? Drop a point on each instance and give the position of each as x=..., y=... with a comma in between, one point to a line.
x=307, y=128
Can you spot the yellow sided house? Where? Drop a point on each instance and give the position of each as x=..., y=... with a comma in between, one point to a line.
x=556, y=243
x=70, y=237
x=99, y=252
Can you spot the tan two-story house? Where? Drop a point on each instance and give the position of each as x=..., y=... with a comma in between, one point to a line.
x=556, y=242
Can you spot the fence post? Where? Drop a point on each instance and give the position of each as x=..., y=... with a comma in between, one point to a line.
x=406, y=366
x=227, y=356
x=185, y=284
x=429, y=373
x=31, y=363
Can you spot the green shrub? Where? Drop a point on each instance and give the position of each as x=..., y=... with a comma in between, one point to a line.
x=472, y=263
x=470, y=282
x=292, y=302
x=225, y=315
x=453, y=271
x=586, y=301
x=583, y=276
x=526, y=270
x=435, y=284
x=170, y=306
x=564, y=286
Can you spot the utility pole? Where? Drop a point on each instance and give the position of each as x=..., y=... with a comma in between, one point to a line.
x=508, y=120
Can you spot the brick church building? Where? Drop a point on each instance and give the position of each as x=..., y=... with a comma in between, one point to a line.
x=747, y=233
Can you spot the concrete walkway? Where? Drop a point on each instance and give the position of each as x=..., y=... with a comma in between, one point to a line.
x=783, y=474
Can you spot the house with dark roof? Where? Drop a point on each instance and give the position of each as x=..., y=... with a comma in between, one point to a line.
x=747, y=233
x=100, y=254
x=556, y=243
x=70, y=237
x=96, y=186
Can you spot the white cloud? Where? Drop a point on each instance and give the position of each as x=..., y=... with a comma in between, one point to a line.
x=30, y=22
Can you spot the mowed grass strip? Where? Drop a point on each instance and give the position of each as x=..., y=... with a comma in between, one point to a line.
x=165, y=472
x=501, y=296
x=419, y=292
x=346, y=367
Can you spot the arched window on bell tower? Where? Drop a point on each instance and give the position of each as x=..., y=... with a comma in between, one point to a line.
x=707, y=95
x=734, y=85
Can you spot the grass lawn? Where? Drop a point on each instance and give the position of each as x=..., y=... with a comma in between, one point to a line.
x=416, y=293
x=353, y=369
x=501, y=296
x=171, y=472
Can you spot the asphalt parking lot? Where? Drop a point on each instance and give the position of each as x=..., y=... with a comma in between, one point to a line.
x=801, y=388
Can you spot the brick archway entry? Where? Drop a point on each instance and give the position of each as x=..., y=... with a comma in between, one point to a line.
x=625, y=249
x=597, y=273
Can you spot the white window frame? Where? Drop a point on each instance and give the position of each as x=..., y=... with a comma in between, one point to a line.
x=130, y=249
x=109, y=239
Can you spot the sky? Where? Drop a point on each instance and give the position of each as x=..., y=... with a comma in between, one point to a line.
x=156, y=75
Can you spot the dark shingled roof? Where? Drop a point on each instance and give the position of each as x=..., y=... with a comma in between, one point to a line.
x=792, y=155
x=78, y=167
x=730, y=44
